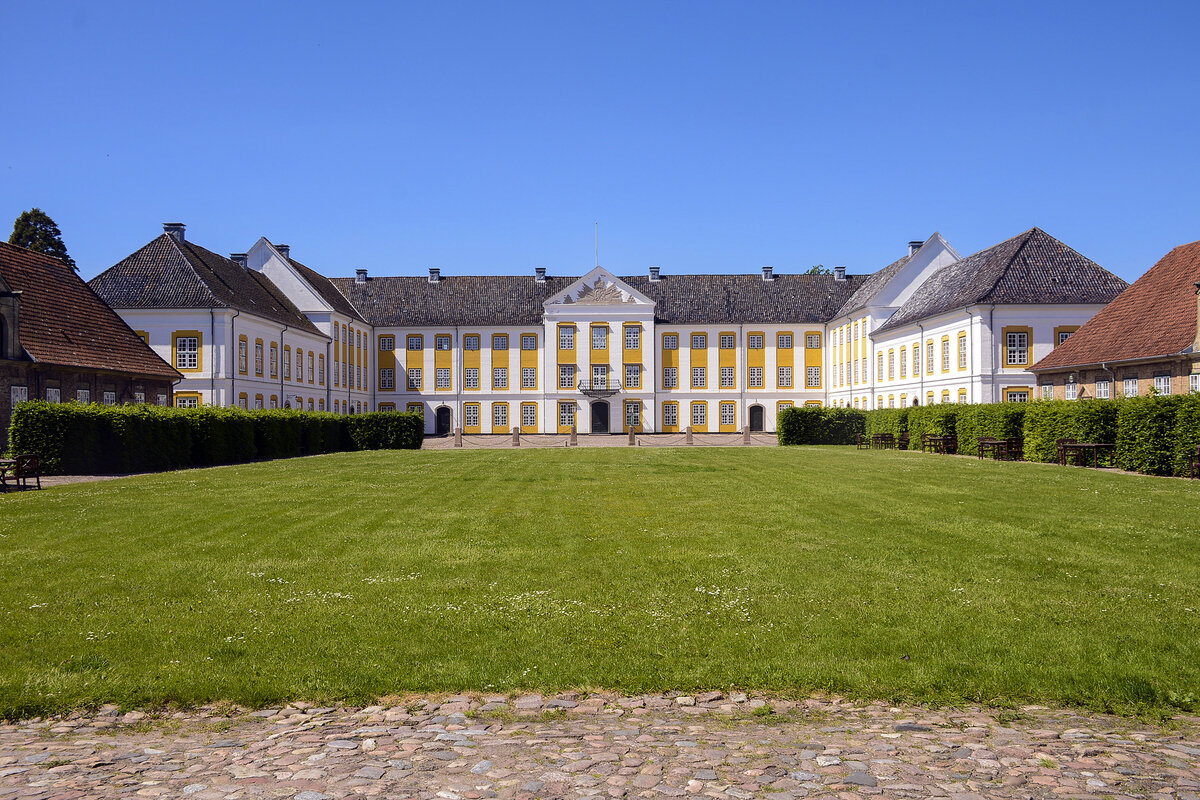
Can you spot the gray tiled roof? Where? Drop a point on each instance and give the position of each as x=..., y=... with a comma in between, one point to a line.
x=406, y=301
x=170, y=274
x=1032, y=267
x=870, y=287
x=328, y=292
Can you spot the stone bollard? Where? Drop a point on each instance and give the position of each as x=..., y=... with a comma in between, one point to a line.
x=746, y=435
x=516, y=437
x=574, y=440
x=632, y=437
x=689, y=434
x=458, y=437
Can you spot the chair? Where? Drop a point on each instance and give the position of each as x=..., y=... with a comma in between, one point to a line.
x=902, y=442
x=862, y=442
x=930, y=442
x=1061, y=446
x=989, y=447
x=1015, y=448
x=24, y=467
x=950, y=445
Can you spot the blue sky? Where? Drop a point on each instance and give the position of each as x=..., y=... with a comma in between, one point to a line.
x=703, y=137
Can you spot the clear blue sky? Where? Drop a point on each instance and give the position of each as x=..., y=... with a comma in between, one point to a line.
x=704, y=137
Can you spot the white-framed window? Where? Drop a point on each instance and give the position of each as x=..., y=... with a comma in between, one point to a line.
x=929, y=357
x=321, y=369
x=891, y=366
x=311, y=370
x=187, y=352
x=1071, y=390
x=728, y=377
x=186, y=402
x=387, y=378
x=18, y=394
x=258, y=358
x=671, y=414
x=1047, y=391
x=242, y=344
x=670, y=377
x=471, y=415
x=599, y=376
x=633, y=337
x=566, y=414
x=728, y=413
x=962, y=398
x=415, y=343
x=566, y=376
x=699, y=341
x=727, y=341
x=258, y=403
x=566, y=337
x=83, y=395
x=162, y=400
x=471, y=377
x=864, y=370
x=699, y=414
x=785, y=377
x=633, y=414
x=784, y=341
x=903, y=363
x=1162, y=384
x=386, y=343
x=633, y=376
x=756, y=377
x=1194, y=382
x=337, y=332
x=699, y=377
x=441, y=342
x=1130, y=387
x=471, y=342
x=670, y=341
x=599, y=337
x=1103, y=389
x=528, y=377
x=287, y=366
x=916, y=360
x=945, y=355
x=754, y=341
x=1017, y=397
x=812, y=377
x=275, y=359
x=54, y=395
x=414, y=378
x=500, y=342
x=300, y=366
x=528, y=342
x=1064, y=335
x=962, y=352
x=500, y=378
x=139, y=397
x=528, y=416
x=1017, y=345
x=812, y=341
x=499, y=415
x=441, y=378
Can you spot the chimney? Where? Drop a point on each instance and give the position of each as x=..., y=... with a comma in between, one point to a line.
x=839, y=273
x=768, y=273
x=360, y=276
x=435, y=274
x=285, y=250
x=539, y=274
x=174, y=230
x=654, y=276
x=240, y=258
x=914, y=247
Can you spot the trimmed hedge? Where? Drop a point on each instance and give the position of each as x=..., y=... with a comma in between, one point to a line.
x=73, y=439
x=819, y=425
x=997, y=420
x=1047, y=421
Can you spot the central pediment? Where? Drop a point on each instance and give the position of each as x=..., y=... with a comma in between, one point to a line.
x=599, y=288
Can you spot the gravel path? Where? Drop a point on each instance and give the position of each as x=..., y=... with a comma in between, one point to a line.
x=706, y=746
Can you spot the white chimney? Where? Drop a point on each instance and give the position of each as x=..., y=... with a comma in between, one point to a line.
x=654, y=276
x=285, y=250
x=435, y=274
x=240, y=258
x=914, y=247
x=768, y=273
x=360, y=276
x=174, y=230
x=539, y=274
x=839, y=273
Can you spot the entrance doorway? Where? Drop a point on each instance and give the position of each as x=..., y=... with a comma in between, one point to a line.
x=756, y=418
x=599, y=417
x=441, y=423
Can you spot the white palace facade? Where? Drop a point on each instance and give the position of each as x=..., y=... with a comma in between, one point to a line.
x=599, y=352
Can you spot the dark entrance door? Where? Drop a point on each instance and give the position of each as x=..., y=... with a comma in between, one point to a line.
x=756, y=418
x=442, y=421
x=599, y=417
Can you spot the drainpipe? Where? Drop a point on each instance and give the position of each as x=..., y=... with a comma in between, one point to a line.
x=233, y=372
x=992, y=333
x=212, y=362
x=326, y=376
x=924, y=365
x=279, y=365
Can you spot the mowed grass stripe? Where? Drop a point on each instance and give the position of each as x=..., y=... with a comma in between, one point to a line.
x=350, y=576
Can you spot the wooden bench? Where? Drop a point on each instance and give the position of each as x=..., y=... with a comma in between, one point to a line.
x=862, y=442
x=21, y=468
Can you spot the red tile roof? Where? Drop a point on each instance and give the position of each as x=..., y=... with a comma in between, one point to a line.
x=63, y=322
x=1154, y=317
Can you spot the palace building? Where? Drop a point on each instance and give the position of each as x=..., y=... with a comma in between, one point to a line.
x=603, y=353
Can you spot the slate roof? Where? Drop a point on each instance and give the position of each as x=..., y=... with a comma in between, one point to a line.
x=61, y=321
x=171, y=274
x=870, y=287
x=412, y=301
x=328, y=292
x=1154, y=317
x=1032, y=267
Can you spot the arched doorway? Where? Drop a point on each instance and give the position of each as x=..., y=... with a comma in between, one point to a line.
x=442, y=421
x=756, y=418
x=599, y=417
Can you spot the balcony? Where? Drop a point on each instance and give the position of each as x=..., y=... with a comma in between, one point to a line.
x=603, y=387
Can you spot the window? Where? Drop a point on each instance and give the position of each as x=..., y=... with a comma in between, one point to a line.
x=321, y=369
x=1016, y=395
x=599, y=337
x=699, y=377
x=633, y=337
x=411, y=408
x=528, y=416
x=1047, y=391
x=242, y=347
x=471, y=415
x=633, y=415
x=275, y=402
x=188, y=401
x=699, y=341
x=528, y=377
x=1016, y=349
x=566, y=337
x=54, y=395
x=728, y=414
x=471, y=377
x=728, y=378
x=1131, y=387
x=916, y=360
x=727, y=341
x=946, y=354
x=962, y=396
x=785, y=377
x=599, y=376
x=633, y=376
x=18, y=394
x=756, y=377
x=441, y=342
x=336, y=333
x=311, y=371
x=856, y=372
x=387, y=379
x=258, y=403
x=670, y=377
x=1162, y=384
x=784, y=341
x=879, y=368
x=903, y=362
x=500, y=378
x=891, y=365
x=258, y=357
x=471, y=342
x=566, y=414
x=83, y=395
x=1104, y=389
x=528, y=342
x=812, y=377
x=441, y=378
x=414, y=379
x=670, y=341
x=671, y=414
x=500, y=342
x=386, y=343
x=754, y=341
x=1193, y=382
x=699, y=414
x=499, y=415
x=1064, y=335
x=300, y=366
x=287, y=363
x=1071, y=390
x=813, y=341
x=962, y=351
x=414, y=343
x=929, y=357
x=566, y=376
x=187, y=352
x=275, y=360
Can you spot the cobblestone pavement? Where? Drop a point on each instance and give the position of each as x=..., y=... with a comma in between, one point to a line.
x=705, y=746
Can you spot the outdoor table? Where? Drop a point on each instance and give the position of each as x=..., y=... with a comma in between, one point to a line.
x=1081, y=451
x=990, y=447
x=883, y=441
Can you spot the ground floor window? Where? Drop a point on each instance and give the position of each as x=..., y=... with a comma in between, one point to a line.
x=470, y=415
x=566, y=414
x=1162, y=384
x=1131, y=387
x=1103, y=389
x=671, y=414
x=1016, y=395
x=499, y=415
x=633, y=414
x=528, y=415
x=1047, y=391
x=187, y=401
x=728, y=414
x=699, y=414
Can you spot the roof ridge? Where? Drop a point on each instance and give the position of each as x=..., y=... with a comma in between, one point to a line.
x=207, y=289
x=1025, y=237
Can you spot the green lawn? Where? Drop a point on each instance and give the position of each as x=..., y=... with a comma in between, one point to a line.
x=355, y=575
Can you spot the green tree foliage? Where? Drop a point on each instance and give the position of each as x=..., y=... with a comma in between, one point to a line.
x=34, y=230
x=819, y=269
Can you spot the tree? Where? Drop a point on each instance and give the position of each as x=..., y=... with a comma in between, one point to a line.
x=819, y=269
x=34, y=230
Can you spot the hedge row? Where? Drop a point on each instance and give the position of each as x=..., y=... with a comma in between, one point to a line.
x=1154, y=435
x=73, y=439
